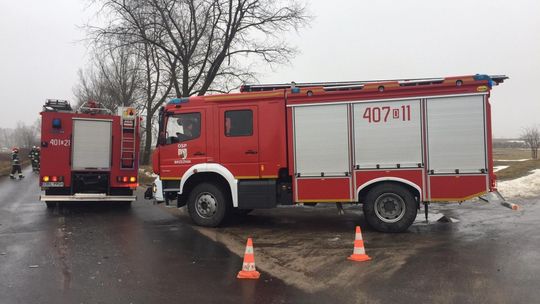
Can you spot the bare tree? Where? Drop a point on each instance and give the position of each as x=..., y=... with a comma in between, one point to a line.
x=155, y=88
x=127, y=75
x=90, y=87
x=209, y=43
x=188, y=47
x=112, y=78
x=531, y=136
x=25, y=136
x=6, y=138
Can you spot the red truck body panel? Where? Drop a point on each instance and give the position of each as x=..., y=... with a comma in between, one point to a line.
x=271, y=152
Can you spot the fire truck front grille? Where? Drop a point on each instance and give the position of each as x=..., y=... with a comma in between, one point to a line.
x=90, y=182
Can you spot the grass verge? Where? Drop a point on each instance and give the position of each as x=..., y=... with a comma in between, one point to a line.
x=516, y=169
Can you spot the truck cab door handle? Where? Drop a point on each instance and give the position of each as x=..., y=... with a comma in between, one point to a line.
x=198, y=153
x=251, y=152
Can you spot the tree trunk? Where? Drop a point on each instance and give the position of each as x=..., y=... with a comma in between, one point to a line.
x=148, y=141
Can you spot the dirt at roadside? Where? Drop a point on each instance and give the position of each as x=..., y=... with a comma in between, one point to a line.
x=308, y=248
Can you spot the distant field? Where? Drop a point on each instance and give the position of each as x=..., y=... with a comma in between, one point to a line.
x=504, y=157
x=511, y=153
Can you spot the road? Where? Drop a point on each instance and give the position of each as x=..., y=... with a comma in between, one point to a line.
x=489, y=256
x=151, y=254
x=104, y=254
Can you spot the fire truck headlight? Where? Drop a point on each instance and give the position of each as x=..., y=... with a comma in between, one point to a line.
x=54, y=179
x=45, y=178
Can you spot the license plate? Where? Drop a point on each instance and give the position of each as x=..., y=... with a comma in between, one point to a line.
x=52, y=184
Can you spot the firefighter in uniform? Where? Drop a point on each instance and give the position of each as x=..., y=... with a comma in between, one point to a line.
x=15, y=164
x=34, y=158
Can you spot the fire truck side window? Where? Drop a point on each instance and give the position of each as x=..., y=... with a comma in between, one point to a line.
x=238, y=123
x=183, y=127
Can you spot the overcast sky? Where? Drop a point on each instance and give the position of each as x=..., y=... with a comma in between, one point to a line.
x=347, y=40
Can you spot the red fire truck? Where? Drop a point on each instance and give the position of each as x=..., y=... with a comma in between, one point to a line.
x=389, y=145
x=89, y=154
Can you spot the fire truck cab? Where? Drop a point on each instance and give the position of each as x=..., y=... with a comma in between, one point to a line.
x=88, y=155
x=389, y=145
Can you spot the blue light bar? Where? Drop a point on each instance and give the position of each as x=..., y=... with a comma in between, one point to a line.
x=479, y=77
x=178, y=100
x=56, y=123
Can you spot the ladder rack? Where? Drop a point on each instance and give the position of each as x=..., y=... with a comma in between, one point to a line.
x=348, y=85
x=53, y=105
x=128, y=145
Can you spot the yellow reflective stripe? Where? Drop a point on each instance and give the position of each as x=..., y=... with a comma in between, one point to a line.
x=336, y=200
x=460, y=198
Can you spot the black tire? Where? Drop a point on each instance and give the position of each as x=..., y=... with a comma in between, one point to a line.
x=390, y=207
x=208, y=205
x=310, y=204
x=50, y=205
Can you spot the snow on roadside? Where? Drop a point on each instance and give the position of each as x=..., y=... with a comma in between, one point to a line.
x=499, y=168
x=526, y=186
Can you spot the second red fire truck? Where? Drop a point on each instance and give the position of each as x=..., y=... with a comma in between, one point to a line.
x=389, y=145
x=88, y=155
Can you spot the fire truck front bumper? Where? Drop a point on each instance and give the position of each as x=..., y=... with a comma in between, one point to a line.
x=88, y=197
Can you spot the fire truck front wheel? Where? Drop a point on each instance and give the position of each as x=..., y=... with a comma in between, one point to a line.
x=208, y=205
x=390, y=207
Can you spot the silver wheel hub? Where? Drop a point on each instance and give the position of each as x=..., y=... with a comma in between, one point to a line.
x=390, y=207
x=206, y=205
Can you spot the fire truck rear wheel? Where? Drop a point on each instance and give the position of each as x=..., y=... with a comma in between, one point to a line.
x=50, y=205
x=390, y=208
x=208, y=205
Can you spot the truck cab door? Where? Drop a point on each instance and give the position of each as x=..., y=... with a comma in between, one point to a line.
x=185, y=143
x=239, y=140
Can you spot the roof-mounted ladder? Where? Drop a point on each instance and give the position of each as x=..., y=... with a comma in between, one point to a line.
x=128, y=146
x=351, y=85
x=57, y=105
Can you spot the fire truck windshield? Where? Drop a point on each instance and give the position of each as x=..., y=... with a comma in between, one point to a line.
x=183, y=127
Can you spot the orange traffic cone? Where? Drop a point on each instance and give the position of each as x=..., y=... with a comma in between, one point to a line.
x=248, y=267
x=359, y=253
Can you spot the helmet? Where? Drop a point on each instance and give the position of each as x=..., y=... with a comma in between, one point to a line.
x=34, y=147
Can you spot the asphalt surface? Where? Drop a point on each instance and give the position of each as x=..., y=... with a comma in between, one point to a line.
x=104, y=254
x=490, y=256
x=147, y=254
